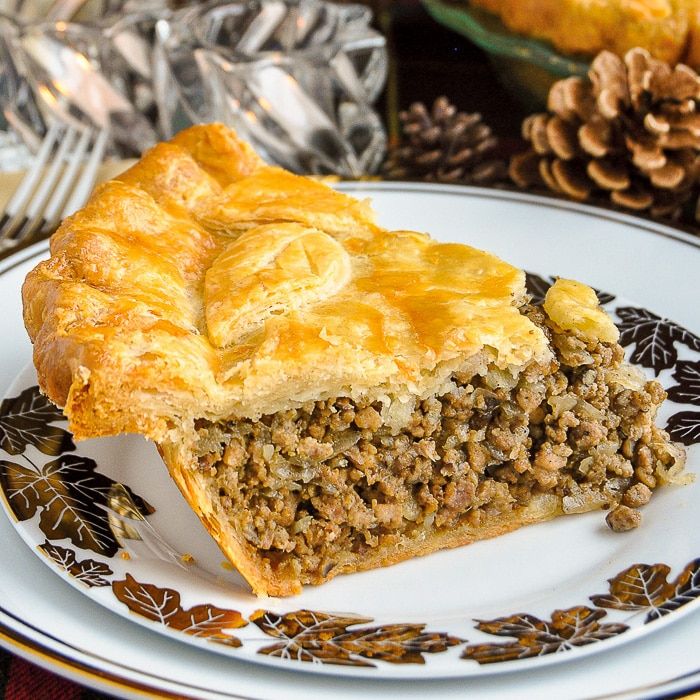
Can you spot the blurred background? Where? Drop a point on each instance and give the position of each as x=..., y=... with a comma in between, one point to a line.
x=115, y=55
x=457, y=91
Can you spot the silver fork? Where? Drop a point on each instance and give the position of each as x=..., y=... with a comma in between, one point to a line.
x=55, y=185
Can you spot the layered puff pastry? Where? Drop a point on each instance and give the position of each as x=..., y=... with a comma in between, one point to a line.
x=330, y=396
x=668, y=29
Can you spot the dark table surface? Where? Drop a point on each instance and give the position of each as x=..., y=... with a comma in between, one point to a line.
x=427, y=61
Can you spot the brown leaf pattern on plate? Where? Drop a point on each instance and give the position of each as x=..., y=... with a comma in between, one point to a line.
x=646, y=587
x=538, y=287
x=163, y=605
x=89, y=571
x=687, y=589
x=567, y=629
x=687, y=389
x=69, y=493
x=325, y=638
x=684, y=427
x=654, y=338
x=26, y=420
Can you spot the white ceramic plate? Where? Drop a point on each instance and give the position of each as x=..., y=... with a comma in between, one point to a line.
x=553, y=566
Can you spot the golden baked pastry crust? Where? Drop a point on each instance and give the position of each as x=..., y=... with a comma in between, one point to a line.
x=668, y=29
x=186, y=288
x=305, y=373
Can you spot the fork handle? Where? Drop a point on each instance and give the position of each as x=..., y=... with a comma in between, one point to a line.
x=63, y=9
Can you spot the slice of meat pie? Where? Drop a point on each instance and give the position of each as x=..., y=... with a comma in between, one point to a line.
x=330, y=396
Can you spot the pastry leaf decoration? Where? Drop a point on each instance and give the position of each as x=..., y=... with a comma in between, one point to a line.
x=685, y=427
x=26, y=420
x=89, y=571
x=569, y=628
x=318, y=637
x=646, y=587
x=163, y=605
x=68, y=492
x=687, y=390
x=538, y=287
x=272, y=270
x=654, y=338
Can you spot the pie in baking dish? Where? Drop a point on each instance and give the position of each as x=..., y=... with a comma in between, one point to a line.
x=668, y=29
x=328, y=395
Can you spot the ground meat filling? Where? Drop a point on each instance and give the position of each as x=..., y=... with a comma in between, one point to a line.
x=331, y=478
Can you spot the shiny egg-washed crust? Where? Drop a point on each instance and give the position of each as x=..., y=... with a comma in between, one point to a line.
x=203, y=283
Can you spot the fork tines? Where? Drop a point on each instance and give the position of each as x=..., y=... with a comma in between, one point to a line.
x=55, y=185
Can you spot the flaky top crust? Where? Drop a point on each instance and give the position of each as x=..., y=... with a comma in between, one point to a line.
x=203, y=283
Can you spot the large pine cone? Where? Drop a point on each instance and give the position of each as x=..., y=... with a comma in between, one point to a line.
x=444, y=145
x=632, y=132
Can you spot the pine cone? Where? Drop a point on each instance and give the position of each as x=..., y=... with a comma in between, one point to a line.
x=444, y=145
x=631, y=132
